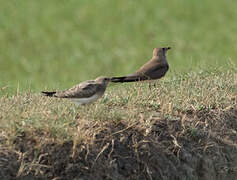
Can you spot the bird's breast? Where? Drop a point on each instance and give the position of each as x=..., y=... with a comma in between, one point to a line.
x=88, y=100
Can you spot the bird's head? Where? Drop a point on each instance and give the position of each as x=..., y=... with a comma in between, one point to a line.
x=103, y=79
x=160, y=52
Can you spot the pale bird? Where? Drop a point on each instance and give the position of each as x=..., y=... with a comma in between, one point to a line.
x=156, y=68
x=83, y=93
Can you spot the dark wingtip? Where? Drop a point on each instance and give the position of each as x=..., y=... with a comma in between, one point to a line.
x=117, y=79
x=48, y=93
x=127, y=79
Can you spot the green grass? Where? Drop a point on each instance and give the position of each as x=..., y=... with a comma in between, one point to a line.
x=56, y=44
x=193, y=114
x=62, y=120
x=190, y=113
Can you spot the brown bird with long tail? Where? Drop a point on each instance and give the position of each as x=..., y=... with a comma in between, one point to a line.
x=156, y=68
x=83, y=93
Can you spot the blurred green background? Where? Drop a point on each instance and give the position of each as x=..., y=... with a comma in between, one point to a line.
x=58, y=43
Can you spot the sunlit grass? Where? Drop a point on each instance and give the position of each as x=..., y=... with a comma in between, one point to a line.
x=58, y=118
x=195, y=112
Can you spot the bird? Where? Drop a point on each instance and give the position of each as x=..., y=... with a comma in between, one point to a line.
x=84, y=93
x=156, y=68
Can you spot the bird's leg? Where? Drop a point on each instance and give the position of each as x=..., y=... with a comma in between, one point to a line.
x=152, y=84
x=149, y=85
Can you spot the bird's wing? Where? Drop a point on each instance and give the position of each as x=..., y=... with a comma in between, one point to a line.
x=148, y=71
x=151, y=67
x=82, y=90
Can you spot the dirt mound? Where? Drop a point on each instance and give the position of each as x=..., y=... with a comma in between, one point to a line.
x=192, y=145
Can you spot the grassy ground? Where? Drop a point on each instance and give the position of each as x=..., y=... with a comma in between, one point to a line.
x=184, y=128
x=58, y=118
x=128, y=132
x=57, y=44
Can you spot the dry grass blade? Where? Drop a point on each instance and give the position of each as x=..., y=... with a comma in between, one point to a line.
x=186, y=121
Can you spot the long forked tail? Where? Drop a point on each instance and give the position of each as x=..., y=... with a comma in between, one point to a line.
x=48, y=93
x=128, y=79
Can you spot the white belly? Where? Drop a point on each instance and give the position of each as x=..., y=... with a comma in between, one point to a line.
x=81, y=101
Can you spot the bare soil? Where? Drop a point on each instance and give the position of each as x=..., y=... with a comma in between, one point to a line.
x=191, y=145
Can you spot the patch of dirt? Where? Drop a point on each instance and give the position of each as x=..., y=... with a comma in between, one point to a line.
x=190, y=146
